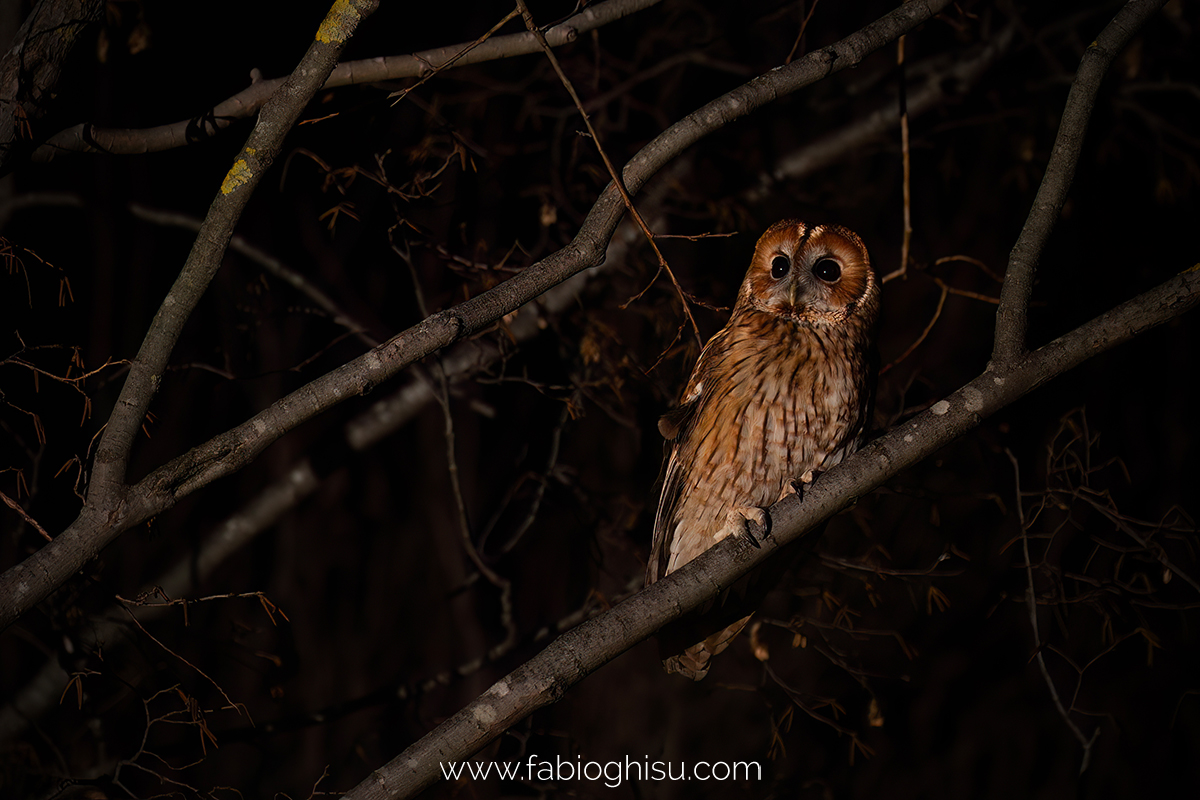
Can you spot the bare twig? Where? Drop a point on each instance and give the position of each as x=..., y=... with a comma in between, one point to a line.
x=1156, y=551
x=268, y=262
x=902, y=270
x=1031, y=600
x=464, y=524
x=937, y=312
x=239, y=707
x=454, y=59
x=33, y=523
x=800, y=33
x=612, y=171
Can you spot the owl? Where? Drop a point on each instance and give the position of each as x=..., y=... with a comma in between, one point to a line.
x=783, y=391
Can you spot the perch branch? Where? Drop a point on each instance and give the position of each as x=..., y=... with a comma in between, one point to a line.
x=544, y=679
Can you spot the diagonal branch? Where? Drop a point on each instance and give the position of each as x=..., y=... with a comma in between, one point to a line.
x=1012, y=315
x=145, y=374
x=26, y=584
x=546, y=677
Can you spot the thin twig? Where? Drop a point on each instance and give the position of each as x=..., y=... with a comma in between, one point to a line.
x=15, y=506
x=504, y=585
x=612, y=171
x=268, y=262
x=800, y=33
x=902, y=270
x=238, y=707
x=1157, y=551
x=1031, y=599
x=434, y=70
x=983, y=298
x=937, y=312
x=972, y=261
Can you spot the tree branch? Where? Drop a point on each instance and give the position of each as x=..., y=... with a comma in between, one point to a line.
x=86, y=138
x=1012, y=314
x=28, y=583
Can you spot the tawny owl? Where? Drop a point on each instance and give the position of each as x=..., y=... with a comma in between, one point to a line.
x=782, y=391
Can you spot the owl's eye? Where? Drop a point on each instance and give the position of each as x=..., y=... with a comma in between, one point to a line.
x=780, y=266
x=827, y=270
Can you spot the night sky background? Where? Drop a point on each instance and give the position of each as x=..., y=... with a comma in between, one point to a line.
x=899, y=653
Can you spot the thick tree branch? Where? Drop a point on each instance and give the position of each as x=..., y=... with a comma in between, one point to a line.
x=28, y=583
x=86, y=138
x=545, y=678
x=145, y=374
x=1011, y=316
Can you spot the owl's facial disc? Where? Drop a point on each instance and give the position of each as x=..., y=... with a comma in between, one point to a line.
x=810, y=274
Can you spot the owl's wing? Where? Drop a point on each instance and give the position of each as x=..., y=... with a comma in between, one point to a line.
x=660, y=548
x=673, y=425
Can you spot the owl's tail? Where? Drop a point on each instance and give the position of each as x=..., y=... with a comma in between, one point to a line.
x=693, y=662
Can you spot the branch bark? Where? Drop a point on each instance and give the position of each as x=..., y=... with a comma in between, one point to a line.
x=30, y=69
x=28, y=583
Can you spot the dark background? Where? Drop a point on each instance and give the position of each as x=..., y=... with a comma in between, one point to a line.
x=912, y=609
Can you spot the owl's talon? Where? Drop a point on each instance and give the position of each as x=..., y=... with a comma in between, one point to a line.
x=740, y=519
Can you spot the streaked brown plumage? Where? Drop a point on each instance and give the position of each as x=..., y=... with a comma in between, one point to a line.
x=782, y=391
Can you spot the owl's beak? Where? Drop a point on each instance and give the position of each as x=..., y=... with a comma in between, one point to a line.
x=798, y=294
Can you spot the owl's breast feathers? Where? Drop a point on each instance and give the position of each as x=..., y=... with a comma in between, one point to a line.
x=769, y=399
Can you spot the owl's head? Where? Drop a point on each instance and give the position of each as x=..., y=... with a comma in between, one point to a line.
x=811, y=274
